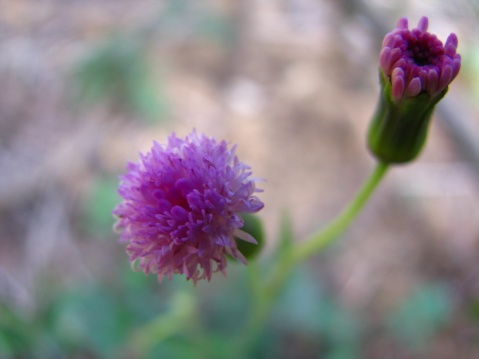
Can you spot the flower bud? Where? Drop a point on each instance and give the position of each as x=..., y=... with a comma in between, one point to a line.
x=415, y=72
x=253, y=227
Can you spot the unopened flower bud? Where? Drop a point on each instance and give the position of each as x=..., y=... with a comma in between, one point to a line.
x=415, y=72
x=253, y=227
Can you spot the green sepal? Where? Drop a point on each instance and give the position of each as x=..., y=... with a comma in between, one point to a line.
x=254, y=227
x=398, y=130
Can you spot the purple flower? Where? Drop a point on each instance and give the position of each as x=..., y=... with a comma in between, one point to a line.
x=181, y=207
x=417, y=62
x=415, y=71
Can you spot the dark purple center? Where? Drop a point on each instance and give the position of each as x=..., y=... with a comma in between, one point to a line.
x=423, y=49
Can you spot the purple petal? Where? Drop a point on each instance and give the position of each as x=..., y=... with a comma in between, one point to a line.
x=423, y=24
x=451, y=45
x=417, y=52
x=446, y=77
x=432, y=82
x=385, y=60
x=402, y=23
x=245, y=236
x=413, y=88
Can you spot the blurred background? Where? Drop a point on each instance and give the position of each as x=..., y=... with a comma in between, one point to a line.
x=86, y=85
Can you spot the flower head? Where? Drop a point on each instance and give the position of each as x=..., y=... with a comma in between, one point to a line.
x=416, y=61
x=415, y=72
x=181, y=206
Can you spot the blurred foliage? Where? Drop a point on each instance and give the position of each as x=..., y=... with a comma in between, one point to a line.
x=474, y=309
x=286, y=235
x=424, y=312
x=470, y=66
x=310, y=310
x=136, y=317
x=191, y=19
x=118, y=73
x=92, y=319
x=99, y=203
x=15, y=333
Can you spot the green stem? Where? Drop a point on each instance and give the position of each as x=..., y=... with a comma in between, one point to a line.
x=319, y=240
x=266, y=294
x=323, y=237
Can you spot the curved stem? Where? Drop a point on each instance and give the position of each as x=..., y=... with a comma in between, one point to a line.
x=265, y=295
x=325, y=236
